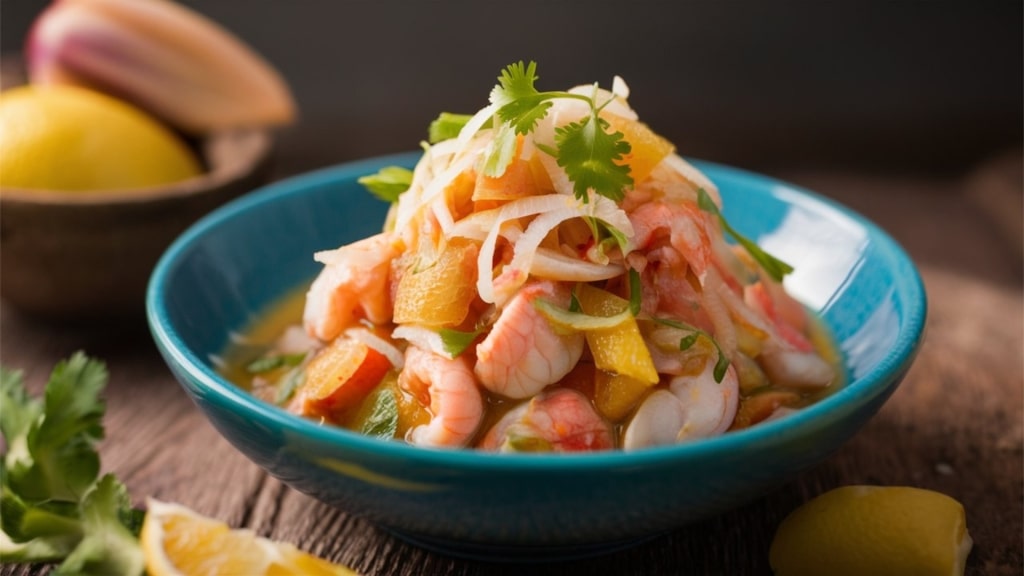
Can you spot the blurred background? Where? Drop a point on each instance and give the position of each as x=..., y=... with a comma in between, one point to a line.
x=893, y=86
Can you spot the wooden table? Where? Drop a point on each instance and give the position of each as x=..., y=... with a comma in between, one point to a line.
x=955, y=424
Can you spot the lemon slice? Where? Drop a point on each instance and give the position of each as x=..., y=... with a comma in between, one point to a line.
x=177, y=541
x=876, y=530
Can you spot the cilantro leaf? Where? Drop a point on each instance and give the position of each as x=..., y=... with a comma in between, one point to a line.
x=60, y=460
x=388, y=183
x=515, y=83
x=635, y=292
x=775, y=268
x=455, y=342
x=590, y=156
x=109, y=546
x=446, y=126
x=383, y=419
x=268, y=363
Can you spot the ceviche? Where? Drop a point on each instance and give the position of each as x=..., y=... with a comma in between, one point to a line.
x=551, y=276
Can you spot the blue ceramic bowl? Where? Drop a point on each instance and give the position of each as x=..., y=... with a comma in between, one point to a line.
x=223, y=272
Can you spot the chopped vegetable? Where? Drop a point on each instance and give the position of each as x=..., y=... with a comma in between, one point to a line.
x=339, y=377
x=388, y=183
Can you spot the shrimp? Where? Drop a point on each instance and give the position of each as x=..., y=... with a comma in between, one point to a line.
x=522, y=353
x=683, y=225
x=692, y=407
x=560, y=420
x=352, y=285
x=455, y=402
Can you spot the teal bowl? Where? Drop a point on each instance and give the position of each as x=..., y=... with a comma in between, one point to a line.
x=222, y=273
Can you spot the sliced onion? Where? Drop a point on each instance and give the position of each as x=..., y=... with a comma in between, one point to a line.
x=554, y=265
x=392, y=353
x=474, y=124
x=511, y=211
x=422, y=338
x=693, y=175
x=409, y=207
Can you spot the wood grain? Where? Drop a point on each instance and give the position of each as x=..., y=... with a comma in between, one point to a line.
x=955, y=424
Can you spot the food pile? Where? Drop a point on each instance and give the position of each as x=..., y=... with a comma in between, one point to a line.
x=118, y=91
x=552, y=277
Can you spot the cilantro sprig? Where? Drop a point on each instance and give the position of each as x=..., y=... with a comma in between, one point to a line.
x=591, y=154
x=775, y=268
x=54, y=508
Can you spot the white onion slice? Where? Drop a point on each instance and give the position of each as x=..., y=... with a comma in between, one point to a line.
x=511, y=211
x=694, y=176
x=554, y=265
x=393, y=354
x=422, y=338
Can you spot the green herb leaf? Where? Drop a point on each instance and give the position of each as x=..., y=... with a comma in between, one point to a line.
x=268, y=363
x=109, y=547
x=447, y=126
x=635, y=291
x=591, y=158
x=383, y=419
x=775, y=268
x=519, y=103
x=288, y=384
x=388, y=183
x=455, y=342
x=686, y=342
x=51, y=505
x=56, y=459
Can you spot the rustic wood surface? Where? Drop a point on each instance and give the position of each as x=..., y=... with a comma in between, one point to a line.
x=955, y=424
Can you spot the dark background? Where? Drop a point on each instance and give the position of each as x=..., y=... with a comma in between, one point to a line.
x=894, y=86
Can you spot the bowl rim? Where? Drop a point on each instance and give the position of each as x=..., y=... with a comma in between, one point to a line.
x=887, y=373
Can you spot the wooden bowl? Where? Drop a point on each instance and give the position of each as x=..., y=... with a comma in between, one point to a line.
x=88, y=256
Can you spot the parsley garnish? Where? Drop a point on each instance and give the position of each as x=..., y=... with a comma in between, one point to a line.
x=773, y=266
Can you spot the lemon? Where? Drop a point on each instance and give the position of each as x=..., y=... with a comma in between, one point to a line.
x=177, y=541
x=73, y=139
x=875, y=530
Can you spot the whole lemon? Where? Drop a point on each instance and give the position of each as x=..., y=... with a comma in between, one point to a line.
x=73, y=139
x=873, y=530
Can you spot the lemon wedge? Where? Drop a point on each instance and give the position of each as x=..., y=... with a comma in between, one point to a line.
x=177, y=541
x=878, y=530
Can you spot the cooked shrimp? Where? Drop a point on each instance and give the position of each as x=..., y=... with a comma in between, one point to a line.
x=352, y=285
x=683, y=225
x=561, y=420
x=453, y=397
x=693, y=407
x=522, y=353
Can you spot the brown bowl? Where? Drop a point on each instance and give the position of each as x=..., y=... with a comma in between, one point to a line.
x=87, y=256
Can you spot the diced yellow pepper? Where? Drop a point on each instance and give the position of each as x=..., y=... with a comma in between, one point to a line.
x=440, y=294
x=615, y=395
x=619, y=350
